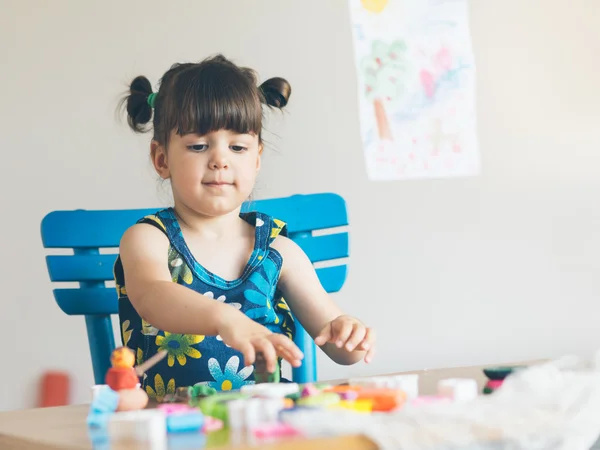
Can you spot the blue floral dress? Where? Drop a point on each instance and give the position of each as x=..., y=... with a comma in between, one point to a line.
x=193, y=359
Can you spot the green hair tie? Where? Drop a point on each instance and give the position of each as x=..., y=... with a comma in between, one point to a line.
x=152, y=99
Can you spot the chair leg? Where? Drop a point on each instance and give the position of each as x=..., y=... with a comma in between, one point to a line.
x=102, y=343
x=307, y=372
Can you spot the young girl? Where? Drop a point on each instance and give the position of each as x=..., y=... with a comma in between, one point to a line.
x=206, y=283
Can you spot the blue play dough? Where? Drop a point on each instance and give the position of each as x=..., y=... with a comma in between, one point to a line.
x=106, y=401
x=181, y=422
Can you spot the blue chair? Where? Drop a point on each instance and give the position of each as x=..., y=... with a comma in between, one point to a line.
x=86, y=232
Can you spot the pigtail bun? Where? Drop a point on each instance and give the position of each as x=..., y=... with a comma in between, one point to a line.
x=276, y=92
x=139, y=111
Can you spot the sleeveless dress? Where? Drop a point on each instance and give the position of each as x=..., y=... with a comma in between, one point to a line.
x=196, y=359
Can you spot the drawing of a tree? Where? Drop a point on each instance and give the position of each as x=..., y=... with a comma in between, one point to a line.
x=384, y=69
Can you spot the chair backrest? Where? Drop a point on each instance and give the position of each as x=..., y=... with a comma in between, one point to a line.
x=87, y=232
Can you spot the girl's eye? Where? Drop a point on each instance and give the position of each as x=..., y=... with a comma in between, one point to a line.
x=197, y=147
x=238, y=148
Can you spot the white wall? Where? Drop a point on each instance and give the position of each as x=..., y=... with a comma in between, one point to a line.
x=499, y=267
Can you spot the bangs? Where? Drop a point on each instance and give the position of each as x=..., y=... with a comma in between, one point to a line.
x=211, y=98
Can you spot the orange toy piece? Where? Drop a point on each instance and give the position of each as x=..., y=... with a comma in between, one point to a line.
x=119, y=378
x=122, y=375
x=383, y=399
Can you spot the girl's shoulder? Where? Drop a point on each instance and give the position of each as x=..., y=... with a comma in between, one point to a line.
x=160, y=219
x=267, y=228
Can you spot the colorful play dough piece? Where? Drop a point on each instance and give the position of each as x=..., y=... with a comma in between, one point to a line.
x=361, y=405
x=216, y=405
x=118, y=378
x=494, y=384
x=105, y=401
x=501, y=372
x=309, y=390
x=261, y=374
x=132, y=399
x=383, y=399
x=201, y=390
x=211, y=424
x=185, y=421
x=349, y=395
x=319, y=400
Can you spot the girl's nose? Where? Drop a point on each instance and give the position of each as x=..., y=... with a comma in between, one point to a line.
x=218, y=159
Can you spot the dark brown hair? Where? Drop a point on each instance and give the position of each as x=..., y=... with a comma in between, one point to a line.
x=211, y=95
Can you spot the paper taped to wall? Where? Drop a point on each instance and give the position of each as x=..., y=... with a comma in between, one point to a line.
x=416, y=85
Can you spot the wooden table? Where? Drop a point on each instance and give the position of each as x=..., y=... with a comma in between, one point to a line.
x=65, y=427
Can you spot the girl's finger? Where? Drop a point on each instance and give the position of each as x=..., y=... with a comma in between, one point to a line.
x=370, y=354
x=368, y=340
x=265, y=346
x=247, y=351
x=357, y=336
x=324, y=336
x=287, y=349
x=342, y=334
x=289, y=357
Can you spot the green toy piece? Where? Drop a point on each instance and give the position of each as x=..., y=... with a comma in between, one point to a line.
x=216, y=405
x=200, y=390
x=488, y=390
x=261, y=375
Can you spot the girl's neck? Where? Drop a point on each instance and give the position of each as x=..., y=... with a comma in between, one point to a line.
x=213, y=228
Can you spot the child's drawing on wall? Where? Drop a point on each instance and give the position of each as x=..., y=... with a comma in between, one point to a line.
x=416, y=88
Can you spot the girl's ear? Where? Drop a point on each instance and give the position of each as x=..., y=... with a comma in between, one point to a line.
x=158, y=154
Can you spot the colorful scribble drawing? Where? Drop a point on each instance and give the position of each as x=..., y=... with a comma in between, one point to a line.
x=384, y=69
x=416, y=88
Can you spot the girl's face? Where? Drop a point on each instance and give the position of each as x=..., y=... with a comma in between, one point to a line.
x=212, y=174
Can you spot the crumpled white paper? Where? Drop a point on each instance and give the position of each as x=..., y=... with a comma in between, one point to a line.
x=551, y=406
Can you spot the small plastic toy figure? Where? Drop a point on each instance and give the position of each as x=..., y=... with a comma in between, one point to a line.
x=122, y=375
x=123, y=378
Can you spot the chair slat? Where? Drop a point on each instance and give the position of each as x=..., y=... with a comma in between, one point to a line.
x=304, y=212
x=99, y=229
x=80, y=267
x=100, y=267
x=324, y=248
x=87, y=301
x=103, y=301
x=332, y=278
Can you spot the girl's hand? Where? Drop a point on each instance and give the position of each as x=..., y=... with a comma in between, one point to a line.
x=245, y=335
x=350, y=333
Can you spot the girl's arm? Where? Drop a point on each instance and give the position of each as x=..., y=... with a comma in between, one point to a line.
x=343, y=338
x=177, y=309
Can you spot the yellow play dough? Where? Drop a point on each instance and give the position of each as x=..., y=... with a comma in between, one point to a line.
x=375, y=6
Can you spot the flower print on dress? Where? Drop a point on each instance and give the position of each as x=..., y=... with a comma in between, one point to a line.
x=229, y=378
x=179, y=269
x=265, y=283
x=222, y=299
x=179, y=346
x=159, y=392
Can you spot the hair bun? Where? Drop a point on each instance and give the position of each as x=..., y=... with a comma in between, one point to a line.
x=139, y=111
x=276, y=92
